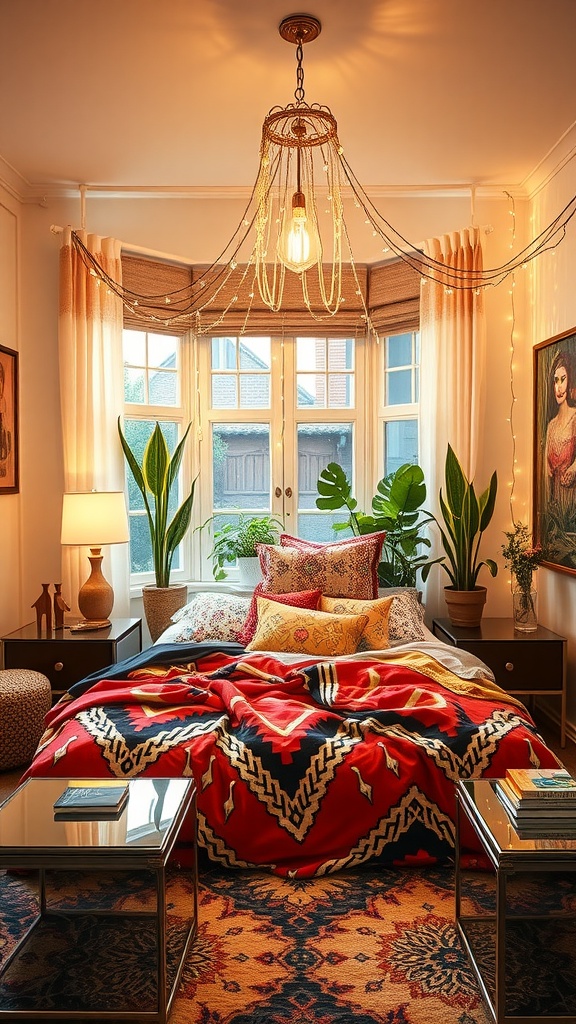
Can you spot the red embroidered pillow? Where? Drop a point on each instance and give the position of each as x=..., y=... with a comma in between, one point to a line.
x=373, y=541
x=301, y=599
x=348, y=568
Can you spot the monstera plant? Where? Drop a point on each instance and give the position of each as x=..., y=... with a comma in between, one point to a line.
x=396, y=509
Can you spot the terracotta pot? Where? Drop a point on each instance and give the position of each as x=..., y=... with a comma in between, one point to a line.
x=465, y=607
x=160, y=603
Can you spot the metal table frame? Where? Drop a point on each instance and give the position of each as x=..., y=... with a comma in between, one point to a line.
x=506, y=864
x=124, y=860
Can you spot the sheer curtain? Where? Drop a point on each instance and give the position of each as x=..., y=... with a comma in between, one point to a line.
x=91, y=389
x=453, y=353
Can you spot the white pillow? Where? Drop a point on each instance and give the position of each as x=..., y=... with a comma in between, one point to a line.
x=211, y=617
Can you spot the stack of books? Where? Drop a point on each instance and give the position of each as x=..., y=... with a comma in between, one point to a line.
x=541, y=803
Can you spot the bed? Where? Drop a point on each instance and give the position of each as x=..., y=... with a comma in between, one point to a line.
x=306, y=762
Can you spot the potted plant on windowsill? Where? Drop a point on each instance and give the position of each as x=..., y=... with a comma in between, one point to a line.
x=236, y=542
x=155, y=477
x=465, y=518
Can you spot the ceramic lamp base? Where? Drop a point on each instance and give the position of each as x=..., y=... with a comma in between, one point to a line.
x=96, y=597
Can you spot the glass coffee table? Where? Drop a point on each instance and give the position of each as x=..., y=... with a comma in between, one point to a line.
x=517, y=922
x=106, y=939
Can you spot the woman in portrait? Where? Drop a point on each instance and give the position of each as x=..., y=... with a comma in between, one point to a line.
x=560, y=450
x=5, y=433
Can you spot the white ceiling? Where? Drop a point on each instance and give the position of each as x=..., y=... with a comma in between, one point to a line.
x=172, y=93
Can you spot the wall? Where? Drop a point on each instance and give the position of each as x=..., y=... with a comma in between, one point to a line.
x=553, y=310
x=10, y=504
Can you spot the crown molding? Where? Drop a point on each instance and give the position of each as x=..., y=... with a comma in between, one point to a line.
x=42, y=193
x=555, y=160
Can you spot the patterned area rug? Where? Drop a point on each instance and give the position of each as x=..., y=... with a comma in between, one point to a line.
x=369, y=947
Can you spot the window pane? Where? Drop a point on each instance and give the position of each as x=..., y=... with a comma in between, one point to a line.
x=134, y=390
x=319, y=527
x=134, y=347
x=399, y=387
x=163, y=388
x=400, y=444
x=319, y=444
x=340, y=391
x=340, y=354
x=223, y=353
x=310, y=354
x=224, y=391
x=254, y=353
x=254, y=391
x=140, y=547
x=162, y=350
x=311, y=390
x=241, y=466
x=399, y=350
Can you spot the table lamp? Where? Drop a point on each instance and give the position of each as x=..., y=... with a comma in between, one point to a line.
x=94, y=518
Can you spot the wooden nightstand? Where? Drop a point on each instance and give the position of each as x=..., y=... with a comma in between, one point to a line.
x=525, y=664
x=66, y=657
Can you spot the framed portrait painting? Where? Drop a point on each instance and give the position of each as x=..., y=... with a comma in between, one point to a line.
x=555, y=450
x=8, y=421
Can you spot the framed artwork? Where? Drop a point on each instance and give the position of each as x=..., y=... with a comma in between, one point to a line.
x=555, y=450
x=8, y=421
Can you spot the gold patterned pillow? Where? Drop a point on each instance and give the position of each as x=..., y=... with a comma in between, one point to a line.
x=299, y=631
x=338, y=570
x=375, y=634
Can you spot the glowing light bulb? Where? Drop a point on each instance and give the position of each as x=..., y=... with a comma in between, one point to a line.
x=298, y=243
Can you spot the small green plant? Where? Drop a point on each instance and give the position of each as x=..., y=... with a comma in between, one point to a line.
x=239, y=540
x=154, y=479
x=465, y=518
x=396, y=509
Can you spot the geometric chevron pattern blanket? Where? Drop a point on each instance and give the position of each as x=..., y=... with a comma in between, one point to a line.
x=301, y=769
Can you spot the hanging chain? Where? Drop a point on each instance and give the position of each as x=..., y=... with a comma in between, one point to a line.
x=299, y=91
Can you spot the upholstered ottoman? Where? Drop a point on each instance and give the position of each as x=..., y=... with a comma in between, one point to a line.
x=25, y=698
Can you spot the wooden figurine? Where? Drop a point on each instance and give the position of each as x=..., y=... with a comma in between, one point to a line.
x=43, y=606
x=60, y=607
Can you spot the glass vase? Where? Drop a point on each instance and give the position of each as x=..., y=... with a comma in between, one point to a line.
x=525, y=606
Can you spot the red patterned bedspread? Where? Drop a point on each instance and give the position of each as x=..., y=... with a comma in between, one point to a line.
x=303, y=768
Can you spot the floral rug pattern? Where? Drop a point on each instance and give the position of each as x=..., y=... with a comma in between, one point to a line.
x=369, y=947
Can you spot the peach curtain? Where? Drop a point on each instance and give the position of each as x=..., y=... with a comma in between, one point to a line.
x=452, y=374
x=91, y=388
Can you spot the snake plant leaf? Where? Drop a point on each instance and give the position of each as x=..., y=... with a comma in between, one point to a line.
x=155, y=463
x=487, y=502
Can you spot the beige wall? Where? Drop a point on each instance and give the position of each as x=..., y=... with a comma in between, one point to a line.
x=544, y=303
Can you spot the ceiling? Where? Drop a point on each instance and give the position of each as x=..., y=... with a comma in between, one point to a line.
x=171, y=94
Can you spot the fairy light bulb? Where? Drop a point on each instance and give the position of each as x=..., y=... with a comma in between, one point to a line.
x=298, y=241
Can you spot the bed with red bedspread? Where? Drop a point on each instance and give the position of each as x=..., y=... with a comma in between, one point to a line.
x=302, y=766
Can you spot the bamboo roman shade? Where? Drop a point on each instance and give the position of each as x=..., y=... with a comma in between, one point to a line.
x=391, y=292
x=394, y=297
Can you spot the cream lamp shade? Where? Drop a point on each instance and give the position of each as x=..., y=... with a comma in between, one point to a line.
x=92, y=519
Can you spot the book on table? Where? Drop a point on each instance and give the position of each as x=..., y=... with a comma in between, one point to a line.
x=535, y=817
x=533, y=807
x=542, y=783
x=90, y=801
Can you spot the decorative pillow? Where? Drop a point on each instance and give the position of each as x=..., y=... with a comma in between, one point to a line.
x=211, y=617
x=406, y=615
x=373, y=540
x=301, y=599
x=375, y=635
x=338, y=570
x=298, y=631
